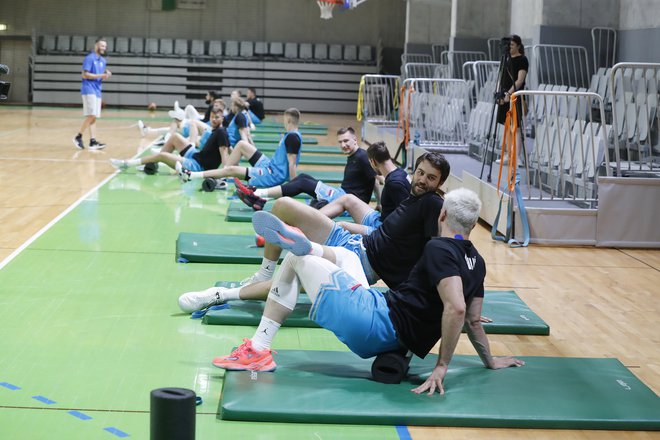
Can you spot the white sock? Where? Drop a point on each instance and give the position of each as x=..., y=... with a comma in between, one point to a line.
x=197, y=174
x=264, y=335
x=317, y=249
x=133, y=162
x=261, y=192
x=231, y=293
x=267, y=269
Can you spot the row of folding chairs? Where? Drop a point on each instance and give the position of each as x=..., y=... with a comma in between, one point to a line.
x=565, y=155
x=169, y=47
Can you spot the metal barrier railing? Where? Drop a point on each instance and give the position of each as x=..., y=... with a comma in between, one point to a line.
x=603, y=40
x=425, y=70
x=438, y=49
x=378, y=100
x=416, y=58
x=634, y=91
x=485, y=78
x=434, y=114
x=569, y=149
x=561, y=65
x=457, y=58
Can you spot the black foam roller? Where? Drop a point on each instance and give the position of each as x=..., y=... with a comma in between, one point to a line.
x=390, y=367
x=150, y=168
x=209, y=184
x=173, y=414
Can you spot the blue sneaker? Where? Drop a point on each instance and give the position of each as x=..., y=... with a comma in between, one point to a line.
x=277, y=232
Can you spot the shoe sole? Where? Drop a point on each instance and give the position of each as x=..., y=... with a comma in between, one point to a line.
x=268, y=368
x=275, y=231
x=96, y=148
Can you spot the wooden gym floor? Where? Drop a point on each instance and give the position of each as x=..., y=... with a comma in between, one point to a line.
x=88, y=315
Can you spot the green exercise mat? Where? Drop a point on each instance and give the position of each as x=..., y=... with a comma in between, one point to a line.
x=307, y=149
x=509, y=313
x=275, y=139
x=217, y=248
x=265, y=129
x=313, y=159
x=326, y=176
x=547, y=393
x=305, y=125
x=240, y=212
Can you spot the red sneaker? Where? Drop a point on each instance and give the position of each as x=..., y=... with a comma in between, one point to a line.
x=247, y=358
x=248, y=196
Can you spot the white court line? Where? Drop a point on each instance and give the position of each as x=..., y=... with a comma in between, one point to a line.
x=42, y=159
x=43, y=230
x=7, y=133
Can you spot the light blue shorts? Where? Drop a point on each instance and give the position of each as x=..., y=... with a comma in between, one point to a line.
x=359, y=317
x=328, y=192
x=189, y=163
x=261, y=174
x=372, y=221
x=340, y=237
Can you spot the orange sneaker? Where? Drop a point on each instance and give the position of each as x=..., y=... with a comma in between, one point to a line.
x=247, y=358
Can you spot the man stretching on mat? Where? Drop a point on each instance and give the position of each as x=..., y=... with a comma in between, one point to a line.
x=388, y=253
x=208, y=158
x=263, y=172
x=359, y=179
x=443, y=292
x=395, y=190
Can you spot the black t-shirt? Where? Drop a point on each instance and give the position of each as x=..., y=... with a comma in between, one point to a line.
x=415, y=306
x=513, y=66
x=241, y=120
x=359, y=177
x=394, y=248
x=511, y=70
x=209, y=157
x=257, y=107
x=292, y=143
x=207, y=115
x=395, y=190
x=227, y=120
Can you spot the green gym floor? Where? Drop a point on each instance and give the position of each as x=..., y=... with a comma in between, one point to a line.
x=91, y=310
x=89, y=322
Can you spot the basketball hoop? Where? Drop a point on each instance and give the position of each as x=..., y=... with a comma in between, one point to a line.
x=327, y=6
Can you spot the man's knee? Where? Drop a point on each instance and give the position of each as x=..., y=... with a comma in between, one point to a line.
x=351, y=201
x=282, y=206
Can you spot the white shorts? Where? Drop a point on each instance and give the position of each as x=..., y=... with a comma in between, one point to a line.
x=91, y=105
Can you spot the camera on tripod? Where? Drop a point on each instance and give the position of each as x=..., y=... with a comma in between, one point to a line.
x=505, y=44
x=4, y=86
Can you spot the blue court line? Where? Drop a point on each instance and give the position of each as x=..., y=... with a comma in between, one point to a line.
x=403, y=433
x=9, y=386
x=81, y=416
x=117, y=432
x=43, y=399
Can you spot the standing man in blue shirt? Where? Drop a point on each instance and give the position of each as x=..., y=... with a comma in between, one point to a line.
x=93, y=73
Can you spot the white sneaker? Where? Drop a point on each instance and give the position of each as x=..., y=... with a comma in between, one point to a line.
x=192, y=301
x=254, y=278
x=176, y=107
x=184, y=174
x=142, y=128
x=121, y=165
x=192, y=113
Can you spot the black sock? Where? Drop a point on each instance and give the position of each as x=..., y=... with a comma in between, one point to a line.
x=92, y=141
x=79, y=135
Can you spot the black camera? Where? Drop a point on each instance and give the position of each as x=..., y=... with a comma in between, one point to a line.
x=505, y=43
x=4, y=86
